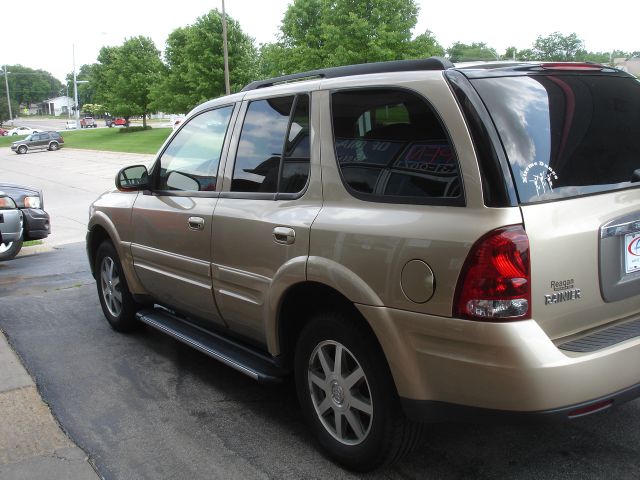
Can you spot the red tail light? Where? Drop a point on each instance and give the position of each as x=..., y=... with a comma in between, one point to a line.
x=495, y=282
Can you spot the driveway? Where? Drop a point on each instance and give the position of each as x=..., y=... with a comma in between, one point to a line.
x=70, y=179
x=144, y=406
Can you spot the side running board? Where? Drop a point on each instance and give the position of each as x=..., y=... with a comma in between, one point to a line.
x=245, y=360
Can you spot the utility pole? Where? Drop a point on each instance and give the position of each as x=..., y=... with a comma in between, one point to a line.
x=6, y=84
x=68, y=106
x=75, y=89
x=225, y=51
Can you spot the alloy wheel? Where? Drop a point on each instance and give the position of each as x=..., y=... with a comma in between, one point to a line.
x=111, y=287
x=340, y=392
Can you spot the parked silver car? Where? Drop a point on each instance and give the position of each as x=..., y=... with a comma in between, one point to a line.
x=35, y=220
x=11, y=220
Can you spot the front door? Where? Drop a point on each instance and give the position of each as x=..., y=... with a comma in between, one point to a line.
x=173, y=222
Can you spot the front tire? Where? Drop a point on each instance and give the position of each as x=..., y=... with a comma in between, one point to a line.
x=22, y=149
x=118, y=305
x=347, y=394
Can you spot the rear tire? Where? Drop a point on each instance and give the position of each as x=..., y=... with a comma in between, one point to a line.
x=118, y=305
x=347, y=394
x=53, y=147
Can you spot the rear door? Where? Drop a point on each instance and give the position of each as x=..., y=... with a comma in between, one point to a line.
x=172, y=223
x=573, y=141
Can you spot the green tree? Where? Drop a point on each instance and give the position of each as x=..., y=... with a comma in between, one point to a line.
x=4, y=108
x=28, y=86
x=423, y=46
x=476, y=51
x=86, y=91
x=326, y=33
x=195, y=64
x=596, y=57
x=124, y=76
x=94, y=109
x=557, y=47
x=511, y=53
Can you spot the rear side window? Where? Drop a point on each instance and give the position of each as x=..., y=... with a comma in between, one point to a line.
x=391, y=147
x=274, y=149
x=566, y=135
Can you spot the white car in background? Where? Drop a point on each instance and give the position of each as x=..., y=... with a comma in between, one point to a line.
x=23, y=131
x=70, y=125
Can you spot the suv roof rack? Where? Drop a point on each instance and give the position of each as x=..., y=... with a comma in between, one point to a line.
x=431, y=63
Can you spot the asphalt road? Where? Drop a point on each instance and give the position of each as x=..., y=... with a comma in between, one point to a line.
x=58, y=124
x=146, y=407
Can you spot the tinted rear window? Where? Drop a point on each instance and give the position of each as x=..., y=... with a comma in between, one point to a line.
x=391, y=147
x=566, y=135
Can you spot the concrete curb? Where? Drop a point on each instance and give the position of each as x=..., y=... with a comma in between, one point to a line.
x=35, y=249
x=32, y=444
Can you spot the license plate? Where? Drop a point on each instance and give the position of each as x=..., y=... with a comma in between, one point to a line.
x=632, y=252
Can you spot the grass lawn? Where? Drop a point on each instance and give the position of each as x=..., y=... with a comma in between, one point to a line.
x=109, y=139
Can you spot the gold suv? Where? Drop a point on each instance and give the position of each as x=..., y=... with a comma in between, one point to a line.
x=413, y=241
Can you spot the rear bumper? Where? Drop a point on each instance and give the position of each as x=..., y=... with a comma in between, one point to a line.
x=36, y=224
x=432, y=411
x=451, y=368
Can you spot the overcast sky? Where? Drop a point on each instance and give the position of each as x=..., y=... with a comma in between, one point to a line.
x=45, y=39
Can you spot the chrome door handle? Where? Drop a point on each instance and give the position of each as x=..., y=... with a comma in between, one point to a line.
x=196, y=223
x=284, y=235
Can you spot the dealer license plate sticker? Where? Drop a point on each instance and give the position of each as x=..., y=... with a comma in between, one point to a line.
x=632, y=252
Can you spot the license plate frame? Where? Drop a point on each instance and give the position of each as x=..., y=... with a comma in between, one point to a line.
x=631, y=252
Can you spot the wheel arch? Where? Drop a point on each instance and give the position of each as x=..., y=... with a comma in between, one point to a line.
x=100, y=229
x=297, y=307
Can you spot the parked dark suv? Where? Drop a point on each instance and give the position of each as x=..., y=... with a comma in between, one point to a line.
x=38, y=141
x=413, y=241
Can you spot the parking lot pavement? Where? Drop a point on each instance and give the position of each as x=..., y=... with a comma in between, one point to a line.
x=32, y=445
x=145, y=406
x=70, y=179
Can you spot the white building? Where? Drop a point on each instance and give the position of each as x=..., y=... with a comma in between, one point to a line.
x=56, y=106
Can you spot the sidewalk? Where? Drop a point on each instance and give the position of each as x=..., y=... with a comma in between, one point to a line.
x=32, y=445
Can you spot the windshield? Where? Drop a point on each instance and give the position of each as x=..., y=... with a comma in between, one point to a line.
x=566, y=135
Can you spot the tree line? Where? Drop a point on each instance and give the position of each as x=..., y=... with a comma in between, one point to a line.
x=133, y=79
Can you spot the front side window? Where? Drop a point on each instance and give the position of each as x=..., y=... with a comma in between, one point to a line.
x=391, y=146
x=273, y=152
x=190, y=162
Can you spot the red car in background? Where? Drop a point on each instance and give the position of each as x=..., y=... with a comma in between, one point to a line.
x=116, y=122
x=3, y=132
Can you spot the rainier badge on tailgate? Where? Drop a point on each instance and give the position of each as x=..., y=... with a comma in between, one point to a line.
x=565, y=291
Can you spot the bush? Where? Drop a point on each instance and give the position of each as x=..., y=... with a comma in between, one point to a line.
x=133, y=129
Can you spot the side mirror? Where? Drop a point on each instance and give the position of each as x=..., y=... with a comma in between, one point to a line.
x=132, y=179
